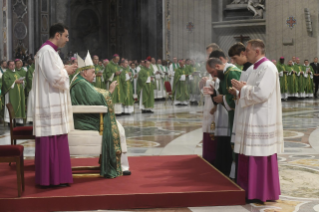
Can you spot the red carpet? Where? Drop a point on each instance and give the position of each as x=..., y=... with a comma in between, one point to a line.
x=156, y=182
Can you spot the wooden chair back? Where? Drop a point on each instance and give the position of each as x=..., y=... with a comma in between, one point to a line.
x=11, y=116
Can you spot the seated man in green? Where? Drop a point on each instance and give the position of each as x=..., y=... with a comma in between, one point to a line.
x=114, y=160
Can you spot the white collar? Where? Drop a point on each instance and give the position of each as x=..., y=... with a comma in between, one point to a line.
x=227, y=65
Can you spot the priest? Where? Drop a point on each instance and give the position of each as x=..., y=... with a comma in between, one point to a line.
x=283, y=76
x=19, y=68
x=112, y=73
x=99, y=79
x=134, y=82
x=301, y=78
x=127, y=77
x=259, y=130
x=181, y=91
x=114, y=161
x=13, y=91
x=217, y=66
x=172, y=68
x=53, y=116
x=309, y=79
x=3, y=66
x=292, y=80
x=145, y=88
x=158, y=92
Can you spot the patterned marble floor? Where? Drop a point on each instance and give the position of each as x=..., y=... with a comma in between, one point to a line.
x=175, y=130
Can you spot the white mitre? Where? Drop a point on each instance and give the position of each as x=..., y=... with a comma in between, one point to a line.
x=85, y=64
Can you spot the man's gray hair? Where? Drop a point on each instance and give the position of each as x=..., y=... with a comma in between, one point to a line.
x=212, y=62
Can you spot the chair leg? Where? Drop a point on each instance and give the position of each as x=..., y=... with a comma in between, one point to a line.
x=18, y=168
x=22, y=171
x=15, y=142
x=11, y=141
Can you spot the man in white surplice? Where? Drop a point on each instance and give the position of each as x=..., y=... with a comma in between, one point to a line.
x=53, y=115
x=259, y=131
x=158, y=92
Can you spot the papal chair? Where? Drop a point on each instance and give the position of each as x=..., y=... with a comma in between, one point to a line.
x=86, y=143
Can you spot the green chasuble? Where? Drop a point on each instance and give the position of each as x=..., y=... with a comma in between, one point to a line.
x=232, y=72
x=148, y=88
x=175, y=66
x=83, y=93
x=283, y=79
x=292, y=81
x=128, y=99
x=16, y=94
x=301, y=80
x=108, y=73
x=180, y=91
x=309, y=81
x=21, y=72
x=28, y=80
x=99, y=81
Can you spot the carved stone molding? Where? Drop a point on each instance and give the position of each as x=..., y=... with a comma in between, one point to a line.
x=20, y=9
x=20, y=30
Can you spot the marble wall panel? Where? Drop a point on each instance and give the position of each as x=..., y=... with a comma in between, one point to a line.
x=185, y=43
x=305, y=45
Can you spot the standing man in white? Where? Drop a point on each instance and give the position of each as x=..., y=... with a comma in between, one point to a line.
x=53, y=117
x=259, y=130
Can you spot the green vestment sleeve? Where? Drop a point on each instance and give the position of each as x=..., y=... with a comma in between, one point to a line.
x=28, y=79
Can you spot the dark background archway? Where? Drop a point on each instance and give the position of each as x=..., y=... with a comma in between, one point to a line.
x=131, y=28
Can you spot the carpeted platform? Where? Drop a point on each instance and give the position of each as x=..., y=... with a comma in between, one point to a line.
x=156, y=182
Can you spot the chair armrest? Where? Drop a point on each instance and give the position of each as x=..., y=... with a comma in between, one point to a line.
x=89, y=109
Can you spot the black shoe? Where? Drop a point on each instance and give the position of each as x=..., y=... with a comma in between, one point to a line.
x=150, y=111
x=127, y=172
x=144, y=111
x=118, y=114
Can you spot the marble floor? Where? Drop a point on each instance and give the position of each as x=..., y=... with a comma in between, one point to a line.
x=175, y=130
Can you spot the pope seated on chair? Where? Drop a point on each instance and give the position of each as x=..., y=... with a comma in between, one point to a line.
x=114, y=160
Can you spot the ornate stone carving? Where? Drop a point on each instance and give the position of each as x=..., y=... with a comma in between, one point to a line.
x=256, y=7
x=20, y=9
x=20, y=30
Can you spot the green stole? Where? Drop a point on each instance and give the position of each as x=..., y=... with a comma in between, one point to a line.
x=83, y=93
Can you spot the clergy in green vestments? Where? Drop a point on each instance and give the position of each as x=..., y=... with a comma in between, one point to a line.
x=172, y=68
x=301, y=78
x=134, y=82
x=127, y=76
x=217, y=66
x=112, y=73
x=292, y=80
x=19, y=68
x=145, y=88
x=181, y=91
x=99, y=81
x=84, y=93
x=283, y=78
x=309, y=79
x=13, y=92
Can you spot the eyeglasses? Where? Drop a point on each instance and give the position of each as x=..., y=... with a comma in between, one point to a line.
x=65, y=36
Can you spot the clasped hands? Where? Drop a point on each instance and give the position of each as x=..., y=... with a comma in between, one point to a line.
x=238, y=85
x=210, y=91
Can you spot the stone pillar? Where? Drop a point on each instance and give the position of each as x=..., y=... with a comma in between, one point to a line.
x=220, y=10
